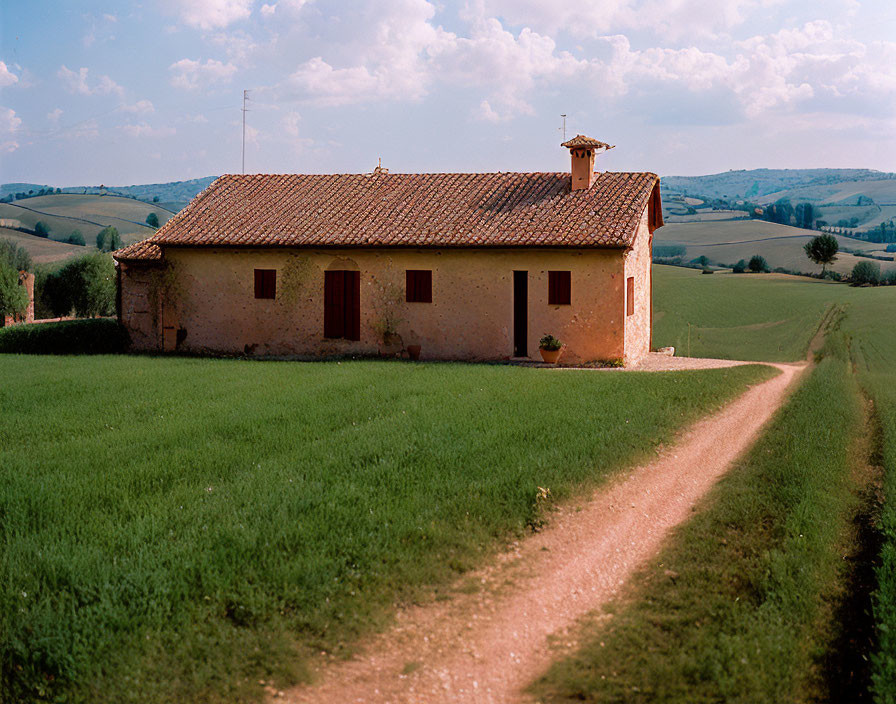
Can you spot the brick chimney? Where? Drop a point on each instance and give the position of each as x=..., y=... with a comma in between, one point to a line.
x=581, y=151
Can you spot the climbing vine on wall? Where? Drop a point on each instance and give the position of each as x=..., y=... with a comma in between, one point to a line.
x=296, y=277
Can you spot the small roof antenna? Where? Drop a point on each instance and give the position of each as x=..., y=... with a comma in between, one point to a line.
x=563, y=129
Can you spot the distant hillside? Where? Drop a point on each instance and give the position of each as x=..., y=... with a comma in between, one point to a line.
x=13, y=188
x=68, y=214
x=172, y=192
x=755, y=183
x=172, y=196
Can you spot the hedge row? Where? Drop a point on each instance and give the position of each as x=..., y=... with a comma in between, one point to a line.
x=90, y=336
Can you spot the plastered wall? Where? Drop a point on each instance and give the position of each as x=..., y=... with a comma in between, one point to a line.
x=638, y=265
x=209, y=302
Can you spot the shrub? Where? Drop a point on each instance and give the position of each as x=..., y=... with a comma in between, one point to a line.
x=740, y=267
x=17, y=257
x=85, y=285
x=757, y=264
x=13, y=297
x=76, y=238
x=549, y=342
x=152, y=220
x=668, y=251
x=41, y=230
x=108, y=239
x=98, y=336
x=866, y=273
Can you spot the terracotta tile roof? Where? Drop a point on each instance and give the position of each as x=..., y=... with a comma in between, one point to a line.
x=146, y=250
x=581, y=140
x=409, y=210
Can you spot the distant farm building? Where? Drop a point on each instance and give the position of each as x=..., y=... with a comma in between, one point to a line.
x=473, y=266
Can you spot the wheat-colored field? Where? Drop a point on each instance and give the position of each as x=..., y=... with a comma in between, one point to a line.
x=43, y=250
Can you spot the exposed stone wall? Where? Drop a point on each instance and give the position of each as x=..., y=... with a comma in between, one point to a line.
x=139, y=306
x=638, y=266
x=210, y=303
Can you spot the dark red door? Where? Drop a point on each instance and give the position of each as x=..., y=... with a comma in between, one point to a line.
x=342, y=304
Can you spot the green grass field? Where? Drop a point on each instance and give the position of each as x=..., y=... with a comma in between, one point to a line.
x=753, y=601
x=767, y=317
x=175, y=529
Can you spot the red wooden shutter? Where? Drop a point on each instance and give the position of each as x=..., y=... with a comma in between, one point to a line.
x=630, y=296
x=419, y=286
x=334, y=289
x=265, y=283
x=424, y=287
x=559, y=288
x=352, y=303
x=564, y=288
x=410, y=279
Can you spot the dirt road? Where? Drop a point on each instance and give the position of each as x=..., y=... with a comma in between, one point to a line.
x=487, y=646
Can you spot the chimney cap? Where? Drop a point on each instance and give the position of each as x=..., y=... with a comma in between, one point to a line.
x=580, y=141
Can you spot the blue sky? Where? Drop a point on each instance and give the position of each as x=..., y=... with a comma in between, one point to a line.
x=137, y=92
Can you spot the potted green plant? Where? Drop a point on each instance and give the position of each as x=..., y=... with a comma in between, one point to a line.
x=551, y=348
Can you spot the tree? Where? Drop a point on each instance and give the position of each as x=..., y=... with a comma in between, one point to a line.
x=76, y=238
x=41, y=230
x=85, y=285
x=152, y=220
x=15, y=256
x=822, y=250
x=866, y=273
x=740, y=267
x=155, y=199
x=757, y=264
x=13, y=297
x=108, y=239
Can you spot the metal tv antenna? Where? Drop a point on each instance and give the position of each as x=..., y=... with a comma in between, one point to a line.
x=245, y=110
x=564, y=127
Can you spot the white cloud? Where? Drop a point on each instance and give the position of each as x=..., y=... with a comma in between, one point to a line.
x=79, y=83
x=191, y=75
x=144, y=130
x=7, y=77
x=238, y=45
x=391, y=43
x=669, y=19
x=211, y=14
x=268, y=10
x=9, y=124
x=141, y=107
x=291, y=124
x=54, y=115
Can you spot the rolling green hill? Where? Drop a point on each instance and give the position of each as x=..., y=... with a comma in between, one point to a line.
x=755, y=183
x=782, y=246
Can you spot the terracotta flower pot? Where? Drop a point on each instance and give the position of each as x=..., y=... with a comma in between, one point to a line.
x=551, y=356
x=414, y=352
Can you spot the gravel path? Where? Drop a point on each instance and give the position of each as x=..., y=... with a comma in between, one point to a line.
x=486, y=647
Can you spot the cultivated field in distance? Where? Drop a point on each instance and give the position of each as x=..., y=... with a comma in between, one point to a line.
x=727, y=242
x=68, y=213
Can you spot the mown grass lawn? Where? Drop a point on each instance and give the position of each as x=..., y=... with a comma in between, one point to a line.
x=175, y=529
x=742, y=604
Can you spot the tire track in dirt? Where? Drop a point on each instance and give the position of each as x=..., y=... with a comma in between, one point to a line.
x=486, y=647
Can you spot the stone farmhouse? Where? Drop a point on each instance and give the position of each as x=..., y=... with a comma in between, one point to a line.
x=474, y=266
